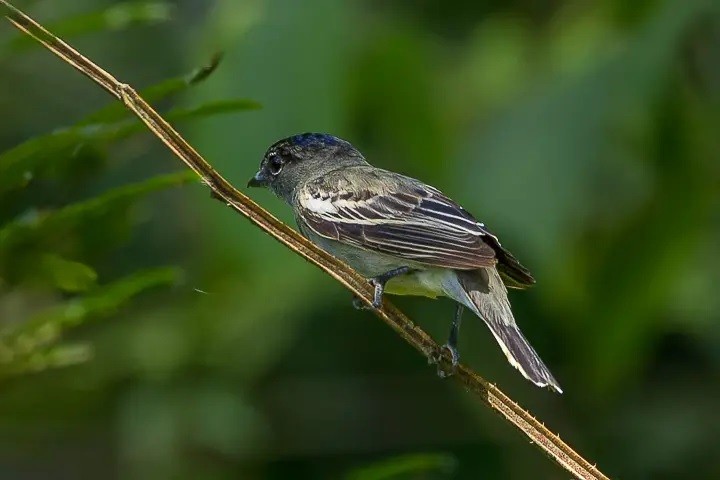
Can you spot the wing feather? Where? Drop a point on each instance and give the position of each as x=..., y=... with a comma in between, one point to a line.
x=396, y=215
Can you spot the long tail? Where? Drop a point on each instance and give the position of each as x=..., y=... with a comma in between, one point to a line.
x=485, y=294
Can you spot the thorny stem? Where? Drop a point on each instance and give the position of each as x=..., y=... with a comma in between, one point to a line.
x=488, y=393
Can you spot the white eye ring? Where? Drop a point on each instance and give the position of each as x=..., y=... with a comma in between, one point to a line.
x=275, y=164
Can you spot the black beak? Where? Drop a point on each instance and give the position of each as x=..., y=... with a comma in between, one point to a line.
x=259, y=180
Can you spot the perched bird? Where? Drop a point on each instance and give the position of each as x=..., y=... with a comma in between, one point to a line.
x=408, y=238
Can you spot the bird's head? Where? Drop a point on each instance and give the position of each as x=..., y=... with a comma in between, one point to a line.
x=294, y=160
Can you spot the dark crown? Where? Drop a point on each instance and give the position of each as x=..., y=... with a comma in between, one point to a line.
x=315, y=140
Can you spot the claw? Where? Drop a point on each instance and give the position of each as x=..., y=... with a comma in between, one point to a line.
x=442, y=372
x=454, y=354
x=435, y=357
x=380, y=281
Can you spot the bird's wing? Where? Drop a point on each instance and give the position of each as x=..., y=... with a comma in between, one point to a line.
x=388, y=213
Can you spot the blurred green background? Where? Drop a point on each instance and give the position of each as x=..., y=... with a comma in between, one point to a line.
x=151, y=333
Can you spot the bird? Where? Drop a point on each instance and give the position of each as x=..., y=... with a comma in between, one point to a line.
x=406, y=237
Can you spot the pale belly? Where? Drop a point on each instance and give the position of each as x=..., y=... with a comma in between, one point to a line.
x=425, y=282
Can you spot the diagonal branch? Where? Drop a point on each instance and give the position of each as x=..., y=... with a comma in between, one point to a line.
x=489, y=394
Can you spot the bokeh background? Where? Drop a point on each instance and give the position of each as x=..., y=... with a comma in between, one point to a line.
x=149, y=332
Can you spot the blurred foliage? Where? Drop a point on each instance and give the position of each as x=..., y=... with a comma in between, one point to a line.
x=39, y=247
x=407, y=466
x=583, y=133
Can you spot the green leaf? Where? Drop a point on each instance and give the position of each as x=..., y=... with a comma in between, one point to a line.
x=20, y=165
x=405, y=466
x=212, y=108
x=39, y=227
x=68, y=354
x=34, y=157
x=116, y=111
x=67, y=275
x=59, y=356
x=45, y=328
x=120, y=16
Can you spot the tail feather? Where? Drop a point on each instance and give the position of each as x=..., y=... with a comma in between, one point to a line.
x=513, y=273
x=485, y=294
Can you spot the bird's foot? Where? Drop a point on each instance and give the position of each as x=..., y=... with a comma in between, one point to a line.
x=380, y=281
x=379, y=284
x=442, y=370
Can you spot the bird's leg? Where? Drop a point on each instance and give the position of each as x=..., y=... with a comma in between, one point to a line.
x=380, y=281
x=452, y=343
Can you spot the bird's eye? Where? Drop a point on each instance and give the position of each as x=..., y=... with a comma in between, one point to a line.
x=275, y=164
